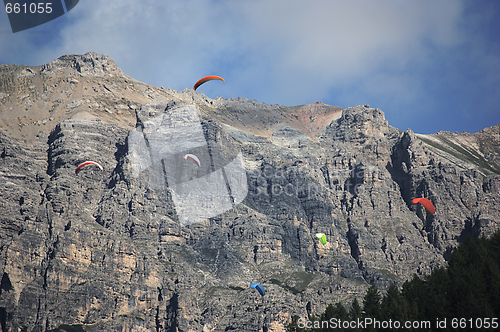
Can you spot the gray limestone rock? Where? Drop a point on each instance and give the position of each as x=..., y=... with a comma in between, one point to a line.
x=115, y=250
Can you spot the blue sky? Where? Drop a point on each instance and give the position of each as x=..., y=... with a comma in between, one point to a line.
x=428, y=65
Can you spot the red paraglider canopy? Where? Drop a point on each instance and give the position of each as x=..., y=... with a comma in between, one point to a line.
x=206, y=79
x=426, y=203
x=86, y=163
x=193, y=158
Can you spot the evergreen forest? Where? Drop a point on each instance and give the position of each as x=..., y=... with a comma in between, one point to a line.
x=463, y=296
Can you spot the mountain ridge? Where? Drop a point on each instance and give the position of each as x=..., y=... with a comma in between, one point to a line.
x=104, y=250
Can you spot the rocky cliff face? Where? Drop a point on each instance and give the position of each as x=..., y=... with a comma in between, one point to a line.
x=105, y=250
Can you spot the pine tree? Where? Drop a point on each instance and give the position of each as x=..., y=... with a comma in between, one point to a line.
x=371, y=302
x=393, y=306
x=414, y=292
x=371, y=305
x=355, y=310
x=337, y=313
x=355, y=313
x=493, y=273
x=436, y=303
x=468, y=287
x=330, y=312
x=341, y=311
x=342, y=316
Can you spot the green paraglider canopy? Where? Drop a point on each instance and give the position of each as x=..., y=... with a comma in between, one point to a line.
x=322, y=238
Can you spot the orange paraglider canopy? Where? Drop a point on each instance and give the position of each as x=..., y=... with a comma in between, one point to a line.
x=206, y=79
x=426, y=203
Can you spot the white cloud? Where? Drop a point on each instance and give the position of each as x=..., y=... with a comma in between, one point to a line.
x=328, y=42
x=280, y=51
x=320, y=41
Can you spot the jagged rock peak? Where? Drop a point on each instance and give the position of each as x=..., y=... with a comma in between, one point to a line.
x=362, y=113
x=88, y=64
x=358, y=123
x=408, y=137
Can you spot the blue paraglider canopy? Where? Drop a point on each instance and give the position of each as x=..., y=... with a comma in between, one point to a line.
x=258, y=287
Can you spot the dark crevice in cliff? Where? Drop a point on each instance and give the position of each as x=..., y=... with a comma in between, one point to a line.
x=400, y=167
x=354, y=183
x=49, y=221
x=3, y=319
x=45, y=273
x=5, y=284
x=38, y=310
x=160, y=296
x=158, y=326
x=51, y=254
x=131, y=228
x=299, y=245
x=352, y=237
x=206, y=133
x=172, y=310
x=469, y=229
x=117, y=175
x=52, y=162
x=326, y=176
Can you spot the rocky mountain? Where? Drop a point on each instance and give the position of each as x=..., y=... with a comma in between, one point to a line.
x=106, y=251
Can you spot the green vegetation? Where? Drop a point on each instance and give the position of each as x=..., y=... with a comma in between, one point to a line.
x=463, y=153
x=472, y=156
x=388, y=274
x=68, y=328
x=237, y=288
x=294, y=290
x=300, y=281
x=466, y=293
